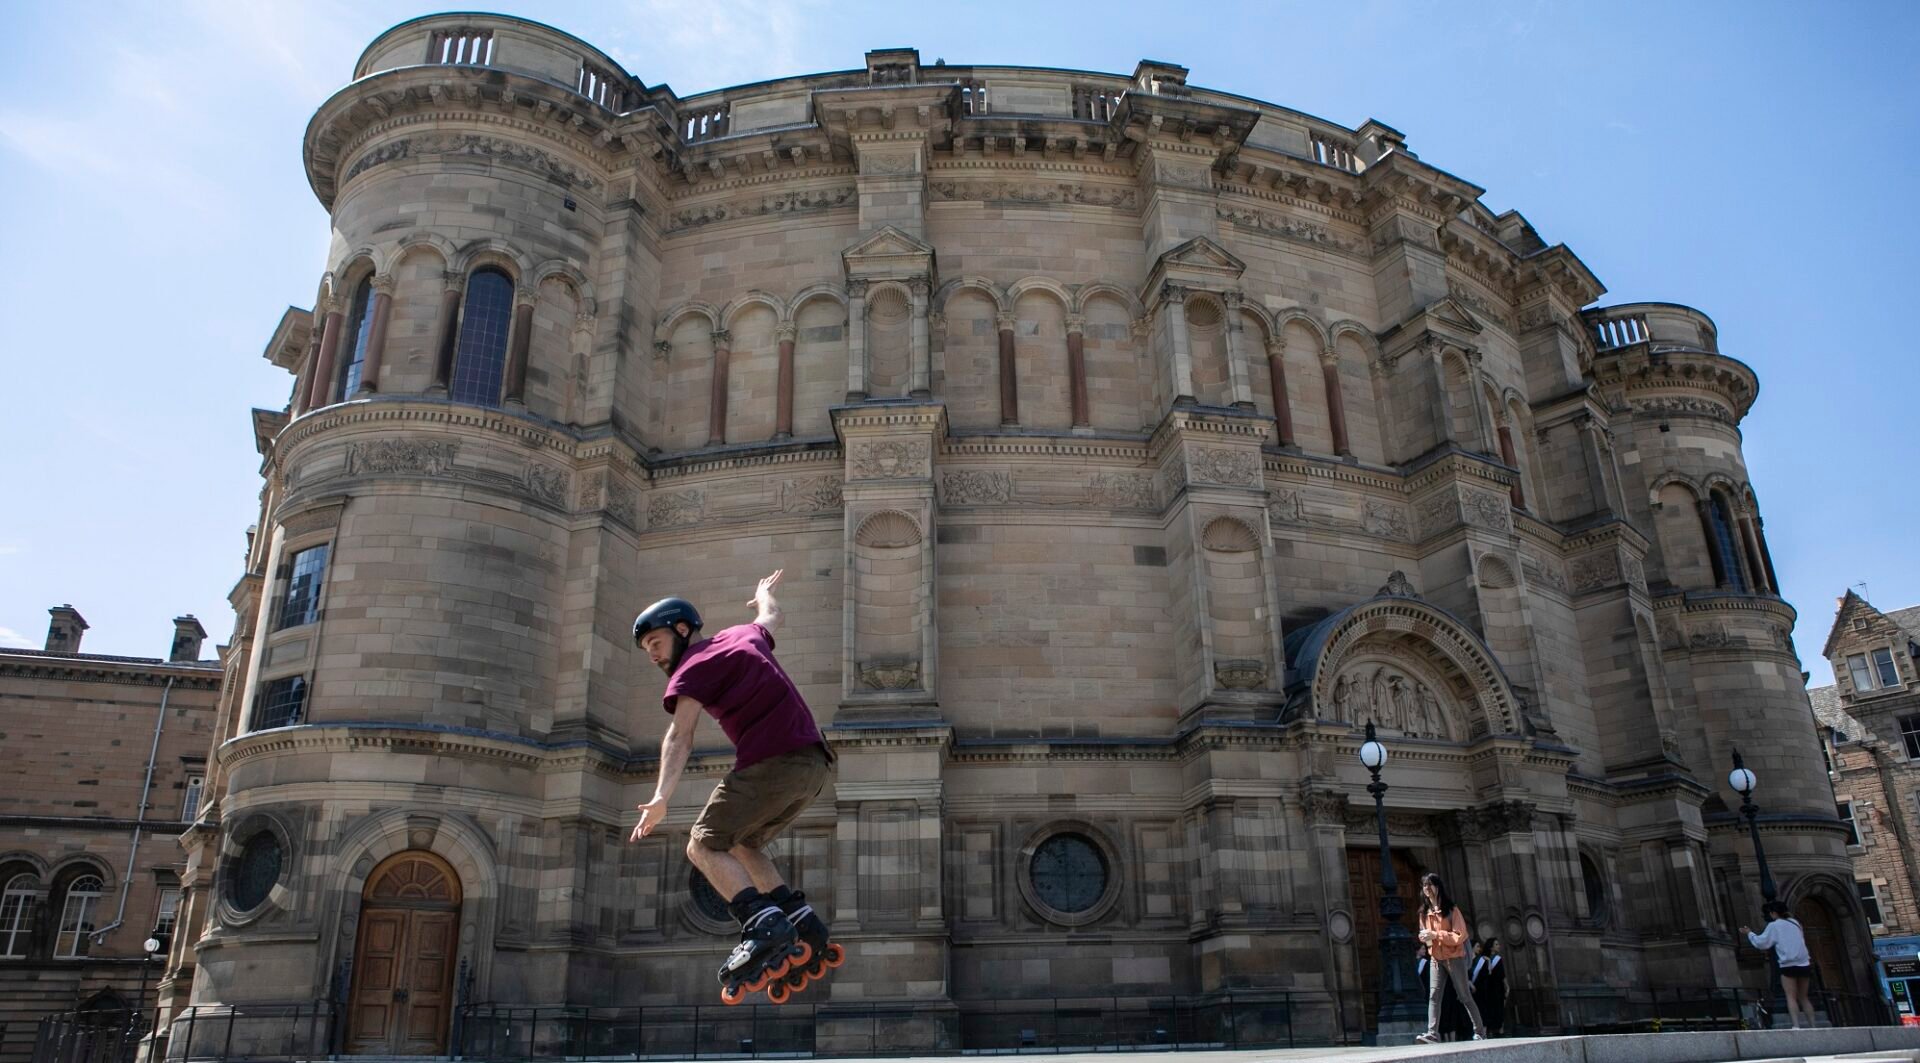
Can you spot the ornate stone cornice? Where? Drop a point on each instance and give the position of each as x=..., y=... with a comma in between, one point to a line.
x=1644, y=368
x=100, y=668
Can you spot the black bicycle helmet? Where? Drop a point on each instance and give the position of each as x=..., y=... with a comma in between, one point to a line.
x=665, y=613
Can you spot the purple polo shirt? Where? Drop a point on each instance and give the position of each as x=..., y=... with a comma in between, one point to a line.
x=735, y=676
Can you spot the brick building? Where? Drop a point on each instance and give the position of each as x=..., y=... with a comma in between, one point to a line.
x=1128, y=445
x=106, y=760
x=1870, y=720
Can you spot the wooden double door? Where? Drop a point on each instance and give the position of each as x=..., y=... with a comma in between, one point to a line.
x=401, y=1003
x=1363, y=885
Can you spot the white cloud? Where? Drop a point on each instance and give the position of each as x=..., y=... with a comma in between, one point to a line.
x=13, y=640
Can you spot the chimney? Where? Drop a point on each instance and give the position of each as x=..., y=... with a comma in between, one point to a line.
x=187, y=637
x=64, y=631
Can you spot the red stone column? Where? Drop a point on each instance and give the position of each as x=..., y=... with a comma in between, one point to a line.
x=449, y=339
x=717, y=400
x=1077, y=369
x=783, y=415
x=1277, y=383
x=1507, y=455
x=376, y=335
x=1754, y=567
x=1336, y=406
x=1009, y=391
x=518, y=343
x=303, y=375
x=320, y=388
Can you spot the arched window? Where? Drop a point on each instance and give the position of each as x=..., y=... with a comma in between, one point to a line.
x=76, y=918
x=479, y=360
x=16, y=914
x=1720, y=533
x=359, y=324
x=1596, y=890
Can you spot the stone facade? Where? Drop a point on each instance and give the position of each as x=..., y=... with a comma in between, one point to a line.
x=1127, y=445
x=86, y=870
x=1870, y=720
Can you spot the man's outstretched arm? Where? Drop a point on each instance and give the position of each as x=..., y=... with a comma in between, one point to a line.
x=766, y=606
x=674, y=749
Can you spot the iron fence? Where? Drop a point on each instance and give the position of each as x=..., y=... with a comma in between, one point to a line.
x=1236, y=1019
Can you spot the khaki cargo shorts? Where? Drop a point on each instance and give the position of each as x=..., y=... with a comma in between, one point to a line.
x=753, y=805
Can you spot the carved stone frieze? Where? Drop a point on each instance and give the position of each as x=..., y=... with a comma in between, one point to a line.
x=474, y=144
x=431, y=457
x=1036, y=194
x=1485, y=509
x=1361, y=819
x=1595, y=571
x=1471, y=297
x=593, y=488
x=1321, y=808
x=1683, y=406
x=1397, y=586
x=800, y=201
x=547, y=484
x=1392, y=700
x=1240, y=674
x=1286, y=228
x=1105, y=490
x=1314, y=509
x=890, y=459
x=1234, y=468
x=890, y=675
x=673, y=509
x=810, y=494
x=1543, y=571
x=620, y=503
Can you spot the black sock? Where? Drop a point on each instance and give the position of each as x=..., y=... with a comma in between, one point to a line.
x=748, y=903
x=783, y=896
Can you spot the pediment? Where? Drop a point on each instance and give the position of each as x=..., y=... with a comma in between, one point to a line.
x=1203, y=254
x=1448, y=311
x=889, y=253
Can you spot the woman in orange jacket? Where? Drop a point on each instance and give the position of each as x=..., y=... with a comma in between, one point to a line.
x=1443, y=930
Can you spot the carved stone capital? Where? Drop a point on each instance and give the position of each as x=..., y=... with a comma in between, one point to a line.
x=919, y=287
x=1004, y=321
x=1076, y=323
x=785, y=333
x=384, y=284
x=857, y=288
x=722, y=338
x=661, y=350
x=525, y=297
x=1276, y=346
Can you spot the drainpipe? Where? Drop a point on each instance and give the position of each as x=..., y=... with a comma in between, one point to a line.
x=140, y=817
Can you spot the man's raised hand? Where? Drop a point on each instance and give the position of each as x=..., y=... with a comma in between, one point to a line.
x=765, y=591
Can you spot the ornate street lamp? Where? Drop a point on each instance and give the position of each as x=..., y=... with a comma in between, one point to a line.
x=1400, y=1002
x=155, y=944
x=1744, y=783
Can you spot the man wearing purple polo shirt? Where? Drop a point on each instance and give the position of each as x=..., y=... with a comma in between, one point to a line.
x=782, y=764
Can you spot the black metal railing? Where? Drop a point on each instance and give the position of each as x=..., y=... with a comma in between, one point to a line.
x=1246, y=1019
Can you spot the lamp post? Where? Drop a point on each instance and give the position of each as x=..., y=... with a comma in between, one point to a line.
x=1744, y=782
x=1398, y=998
x=155, y=944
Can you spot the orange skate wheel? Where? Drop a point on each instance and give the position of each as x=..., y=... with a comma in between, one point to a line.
x=835, y=955
x=802, y=952
x=731, y=995
x=778, y=993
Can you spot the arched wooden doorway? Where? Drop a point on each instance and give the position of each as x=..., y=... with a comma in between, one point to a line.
x=1363, y=888
x=402, y=998
x=1825, y=944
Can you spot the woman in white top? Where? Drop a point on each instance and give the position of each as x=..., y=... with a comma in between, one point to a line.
x=1789, y=944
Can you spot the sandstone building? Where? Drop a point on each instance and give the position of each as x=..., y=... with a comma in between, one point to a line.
x=106, y=764
x=1127, y=445
x=1870, y=722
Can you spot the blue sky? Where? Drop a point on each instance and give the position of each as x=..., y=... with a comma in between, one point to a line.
x=1754, y=160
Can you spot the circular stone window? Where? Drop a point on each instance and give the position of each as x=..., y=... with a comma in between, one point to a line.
x=255, y=871
x=707, y=900
x=1069, y=874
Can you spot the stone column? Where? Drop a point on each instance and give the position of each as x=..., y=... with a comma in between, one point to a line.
x=717, y=395
x=1593, y=454
x=920, y=384
x=1507, y=455
x=377, y=334
x=1077, y=368
x=1237, y=375
x=1756, y=574
x=856, y=340
x=1476, y=382
x=783, y=415
x=514, y=387
x=1277, y=383
x=1443, y=408
x=303, y=377
x=1336, y=404
x=449, y=338
x=1721, y=577
x=1009, y=387
x=1178, y=343
x=320, y=388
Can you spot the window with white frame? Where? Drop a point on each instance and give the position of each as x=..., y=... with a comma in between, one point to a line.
x=1845, y=809
x=167, y=911
x=16, y=914
x=76, y=916
x=190, y=801
x=1883, y=668
x=1869, y=900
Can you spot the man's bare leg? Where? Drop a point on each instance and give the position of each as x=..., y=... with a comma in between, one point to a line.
x=766, y=878
x=724, y=873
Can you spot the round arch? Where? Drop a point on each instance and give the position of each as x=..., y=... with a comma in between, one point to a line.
x=979, y=284
x=1087, y=293
x=1419, y=634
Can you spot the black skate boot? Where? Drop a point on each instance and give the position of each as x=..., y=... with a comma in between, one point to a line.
x=768, y=948
x=822, y=954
